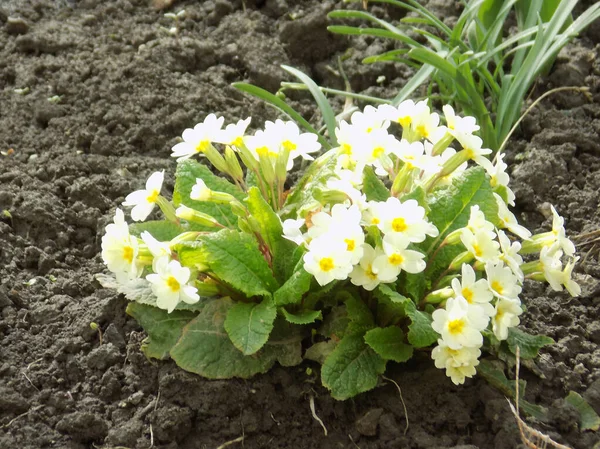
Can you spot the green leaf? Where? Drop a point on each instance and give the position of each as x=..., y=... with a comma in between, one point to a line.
x=285, y=343
x=294, y=288
x=373, y=186
x=324, y=105
x=352, y=368
x=271, y=230
x=529, y=345
x=302, y=317
x=163, y=329
x=420, y=332
x=496, y=378
x=286, y=266
x=588, y=418
x=278, y=103
x=335, y=323
x=391, y=306
x=249, y=325
x=234, y=257
x=185, y=178
x=418, y=194
x=320, y=351
x=161, y=230
x=358, y=312
x=388, y=343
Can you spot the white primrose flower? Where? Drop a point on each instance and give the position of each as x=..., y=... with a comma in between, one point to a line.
x=291, y=230
x=509, y=254
x=403, y=114
x=458, y=324
x=378, y=145
x=509, y=221
x=233, y=134
x=200, y=191
x=572, y=287
x=558, y=229
x=364, y=274
x=478, y=221
x=373, y=214
x=157, y=249
x=555, y=275
x=369, y=120
x=341, y=217
x=350, y=140
x=327, y=260
x=143, y=201
x=198, y=139
x=502, y=282
x=476, y=292
x=459, y=125
x=412, y=154
x=473, y=146
x=498, y=176
x=169, y=284
x=407, y=218
x=346, y=186
x=458, y=363
x=288, y=136
x=262, y=144
x=397, y=257
x=120, y=249
x=426, y=124
x=480, y=244
x=506, y=316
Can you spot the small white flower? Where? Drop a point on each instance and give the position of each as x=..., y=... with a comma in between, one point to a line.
x=498, y=176
x=475, y=292
x=550, y=259
x=480, y=244
x=369, y=120
x=233, y=134
x=458, y=363
x=291, y=230
x=412, y=154
x=169, y=284
x=509, y=221
x=198, y=139
x=364, y=274
x=346, y=186
x=558, y=229
x=407, y=218
x=506, y=316
x=510, y=254
x=397, y=257
x=143, y=201
x=572, y=287
x=120, y=249
x=502, y=282
x=342, y=218
x=403, y=114
x=472, y=145
x=478, y=221
x=459, y=125
x=458, y=324
x=200, y=191
x=263, y=144
x=426, y=124
x=327, y=260
x=158, y=249
x=287, y=135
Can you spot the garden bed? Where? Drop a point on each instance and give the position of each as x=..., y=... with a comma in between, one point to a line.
x=104, y=92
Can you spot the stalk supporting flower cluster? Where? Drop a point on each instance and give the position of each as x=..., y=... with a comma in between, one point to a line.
x=399, y=237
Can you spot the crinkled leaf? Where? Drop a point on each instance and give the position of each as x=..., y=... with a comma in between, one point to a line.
x=285, y=343
x=234, y=257
x=529, y=345
x=249, y=325
x=373, y=186
x=420, y=332
x=391, y=305
x=163, y=329
x=320, y=351
x=352, y=368
x=335, y=323
x=294, y=288
x=185, y=178
x=361, y=318
x=205, y=348
x=496, y=378
x=302, y=317
x=418, y=194
x=588, y=418
x=389, y=343
x=161, y=230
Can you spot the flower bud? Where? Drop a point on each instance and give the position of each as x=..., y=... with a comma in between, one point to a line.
x=215, y=158
x=233, y=166
x=194, y=216
x=440, y=295
x=459, y=260
x=167, y=209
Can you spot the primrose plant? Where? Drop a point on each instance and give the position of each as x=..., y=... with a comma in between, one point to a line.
x=397, y=238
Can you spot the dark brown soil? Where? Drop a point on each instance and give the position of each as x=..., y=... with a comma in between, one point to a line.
x=126, y=90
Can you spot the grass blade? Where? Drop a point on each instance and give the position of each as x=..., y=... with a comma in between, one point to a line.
x=422, y=75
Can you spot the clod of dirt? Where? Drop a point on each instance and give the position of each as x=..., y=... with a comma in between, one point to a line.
x=564, y=416
x=83, y=427
x=367, y=424
x=16, y=25
x=104, y=356
x=172, y=423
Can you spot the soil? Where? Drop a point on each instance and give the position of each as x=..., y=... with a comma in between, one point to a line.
x=123, y=89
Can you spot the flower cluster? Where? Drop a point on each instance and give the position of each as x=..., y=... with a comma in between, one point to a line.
x=370, y=217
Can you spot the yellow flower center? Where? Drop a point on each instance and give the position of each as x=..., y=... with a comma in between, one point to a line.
x=396, y=259
x=173, y=284
x=477, y=250
x=422, y=131
x=238, y=141
x=369, y=129
x=128, y=253
x=369, y=272
x=374, y=221
x=399, y=224
x=456, y=327
x=262, y=151
x=291, y=146
x=405, y=121
x=326, y=264
x=468, y=295
x=497, y=287
x=350, y=244
x=377, y=152
x=153, y=196
x=470, y=153
x=346, y=148
x=202, y=146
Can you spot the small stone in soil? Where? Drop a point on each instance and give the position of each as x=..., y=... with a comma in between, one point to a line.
x=367, y=424
x=83, y=427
